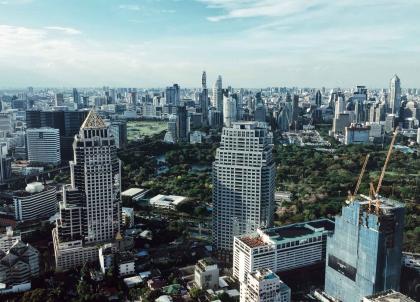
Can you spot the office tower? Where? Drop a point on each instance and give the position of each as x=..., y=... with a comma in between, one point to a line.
x=182, y=127
x=364, y=253
x=391, y=121
x=359, y=99
x=18, y=265
x=215, y=118
x=243, y=183
x=218, y=94
x=295, y=111
x=59, y=99
x=394, y=95
x=340, y=105
x=68, y=123
x=229, y=110
x=36, y=202
x=90, y=211
x=132, y=98
x=356, y=134
x=6, y=124
x=318, y=99
x=264, y=286
x=173, y=95
x=260, y=114
x=76, y=96
x=43, y=146
x=204, y=99
x=119, y=132
x=5, y=163
x=282, y=248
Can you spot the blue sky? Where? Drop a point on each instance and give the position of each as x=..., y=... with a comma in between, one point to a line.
x=251, y=43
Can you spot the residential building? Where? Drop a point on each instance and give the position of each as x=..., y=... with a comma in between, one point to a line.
x=173, y=95
x=264, y=286
x=243, y=183
x=364, y=253
x=229, y=110
x=43, y=146
x=18, y=265
x=90, y=212
x=7, y=239
x=281, y=248
x=36, y=202
x=206, y=274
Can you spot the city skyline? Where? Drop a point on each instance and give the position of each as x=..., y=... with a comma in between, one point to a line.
x=155, y=43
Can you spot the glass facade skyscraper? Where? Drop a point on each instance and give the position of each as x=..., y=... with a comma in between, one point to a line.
x=364, y=253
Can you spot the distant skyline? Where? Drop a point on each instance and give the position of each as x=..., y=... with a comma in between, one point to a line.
x=251, y=43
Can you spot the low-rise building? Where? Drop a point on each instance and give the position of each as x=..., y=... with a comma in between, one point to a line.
x=166, y=201
x=35, y=202
x=7, y=239
x=411, y=260
x=264, y=286
x=206, y=274
x=127, y=216
x=388, y=296
x=281, y=248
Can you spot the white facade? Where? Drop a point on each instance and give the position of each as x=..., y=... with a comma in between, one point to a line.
x=90, y=212
x=166, y=201
x=44, y=145
x=206, y=275
x=8, y=239
x=127, y=216
x=264, y=286
x=243, y=183
x=281, y=248
x=229, y=111
x=35, y=203
x=395, y=95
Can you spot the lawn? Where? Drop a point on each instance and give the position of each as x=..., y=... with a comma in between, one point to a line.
x=138, y=129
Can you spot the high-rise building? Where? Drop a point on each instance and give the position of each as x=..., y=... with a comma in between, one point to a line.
x=243, y=183
x=280, y=249
x=260, y=114
x=76, y=96
x=364, y=253
x=59, y=99
x=90, y=212
x=36, y=202
x=215, y=118
x=119, y=131
x=204, y=99
x=264, y=286
x=394, y=95
x=5, y=163
x=68, y=123
x=43, y=145
x=173, y=95
x=318, y=99
x=229, y=110
x=182, y=125
x=218, y=94
x=6, y=124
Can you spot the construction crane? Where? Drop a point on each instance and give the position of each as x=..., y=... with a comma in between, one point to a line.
x=381, y=178
x=359, y=181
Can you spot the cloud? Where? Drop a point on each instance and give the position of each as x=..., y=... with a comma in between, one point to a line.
x=130, y=7
x=66, y=30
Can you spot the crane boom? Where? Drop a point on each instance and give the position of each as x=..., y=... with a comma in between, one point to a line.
x=388, y=156
x=359, y=180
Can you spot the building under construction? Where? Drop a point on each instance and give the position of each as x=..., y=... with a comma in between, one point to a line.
x=364, y=253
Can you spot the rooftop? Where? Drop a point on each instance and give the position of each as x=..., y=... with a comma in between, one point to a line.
x=93, y=121
x=132, y=192
x=388, y=296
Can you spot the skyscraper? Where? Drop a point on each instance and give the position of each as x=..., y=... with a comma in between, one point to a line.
x=90, y=210
x=204, y=99
x=182, y=127
x=172, y=95
x=395, y=95
x=218, y=94
x=243, y=183
x=318, y=99
x=229, y=110
x=59, y=99
x=76, y=96
x=43, y=145
x=364, y=253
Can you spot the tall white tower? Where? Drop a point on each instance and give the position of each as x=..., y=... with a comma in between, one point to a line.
x=395, y=95
x=243, y=183
x=90, y=210
x=218, y=94
x=229, y=111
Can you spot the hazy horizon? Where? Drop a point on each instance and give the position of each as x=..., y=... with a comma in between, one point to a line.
x=261, y=43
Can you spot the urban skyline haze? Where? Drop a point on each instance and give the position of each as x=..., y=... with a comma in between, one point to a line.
x=152, y=43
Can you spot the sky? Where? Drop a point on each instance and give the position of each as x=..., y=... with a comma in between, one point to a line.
x=251, y=43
